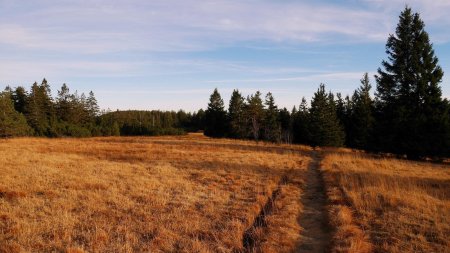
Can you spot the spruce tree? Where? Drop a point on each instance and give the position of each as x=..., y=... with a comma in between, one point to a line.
x=40, y=110
x=341, y=109
x=361, y=118
x=215, y=116
x=12, y=123
x=324, y=127
x=412, y=117
x=35, y=111
x=301, y=121
x=20, y=99
x=64, y=105
x=254, y=111
x=199, y=119
x=272, y=130
x=285, y=119
x=92, y=106
x=236, y=115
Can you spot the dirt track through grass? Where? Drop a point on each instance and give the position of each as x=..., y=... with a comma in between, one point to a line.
x=249, y=240
x=315, y=236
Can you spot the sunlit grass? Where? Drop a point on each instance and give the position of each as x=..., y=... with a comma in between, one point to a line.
x=391, y=205
x=171, y=194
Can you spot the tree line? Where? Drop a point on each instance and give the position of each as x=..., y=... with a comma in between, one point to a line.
x=407, y=115
x=37, y=113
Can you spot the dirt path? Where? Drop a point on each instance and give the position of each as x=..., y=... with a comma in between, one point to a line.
x=315, y=235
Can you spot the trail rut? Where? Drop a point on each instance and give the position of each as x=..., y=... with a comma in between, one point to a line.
x=315, y=236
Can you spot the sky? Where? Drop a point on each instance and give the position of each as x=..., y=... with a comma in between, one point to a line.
x=171, y=54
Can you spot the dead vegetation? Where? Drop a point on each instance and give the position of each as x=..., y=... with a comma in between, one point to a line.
x=165, y=194
x=195, y=194
x=387, y=205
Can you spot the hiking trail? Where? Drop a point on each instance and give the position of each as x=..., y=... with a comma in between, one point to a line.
x=315, y=234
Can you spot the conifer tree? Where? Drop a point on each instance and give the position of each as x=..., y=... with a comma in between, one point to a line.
x=285, y=119
x=199, y=119
x=361, y=118
x=20, y=99
x=92, y=106
x=255, y=113
x=412, y=117
x=40, y=109
x=341, y=109
x=12, y=123
x=272, y=130
x=236, y=115
x=325, y=128
x=301, y=121
x=35, y=111
x=64, y=104
x=215, y=116
x=294, y=110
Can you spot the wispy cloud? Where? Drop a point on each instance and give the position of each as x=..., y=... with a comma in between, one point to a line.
x=325, y=77
x=169, y=25
x=163, y=48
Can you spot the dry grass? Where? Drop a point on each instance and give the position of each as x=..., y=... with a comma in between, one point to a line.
x=166, y=194
x=387, y=205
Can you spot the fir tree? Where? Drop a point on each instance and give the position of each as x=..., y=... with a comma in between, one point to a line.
x=40, y=110
x=20, y=98
x=325, y=128
x=236, y=115
x=92, y=104
x=301, y=121
x=272, y=130
x=215, y=116
x=412, y=117
x=361, y=118
x=199, y=120
x=255, y=113
x=35, y=111
x=64, y=104
x=285, y=119
x=12, y=123
x=341, y=108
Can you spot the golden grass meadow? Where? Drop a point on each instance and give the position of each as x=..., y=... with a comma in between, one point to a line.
x=387, y=205
x=196, y=194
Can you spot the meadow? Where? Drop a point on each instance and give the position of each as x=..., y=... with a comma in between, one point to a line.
x=142, y=194
x=380, y=204
x=196, y=194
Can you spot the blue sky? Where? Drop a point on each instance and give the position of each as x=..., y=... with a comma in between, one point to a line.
x=171, y=54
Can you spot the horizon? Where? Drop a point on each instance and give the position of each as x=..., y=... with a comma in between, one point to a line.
x=145, y=56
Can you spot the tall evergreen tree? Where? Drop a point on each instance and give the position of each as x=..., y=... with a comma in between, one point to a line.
x=40, y=109
x=285, y=119
x=254, y=111
x=272, y=129
x=64, y=104
x=412, y=117
x=341, y=109
x=35, y=111
x=12, y=123
x=92, y=106
x=361, y=118
x=301, y=121
x=20, y=99
x=215, y=116
x=198, y=119
x=325, y=128
x=236, y=115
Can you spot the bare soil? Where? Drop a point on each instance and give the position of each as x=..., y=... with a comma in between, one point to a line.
x=315, y=236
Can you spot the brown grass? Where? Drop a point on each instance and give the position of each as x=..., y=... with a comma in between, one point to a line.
x=387, y=205
x=165, y=194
